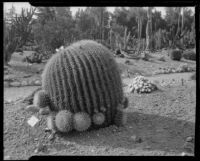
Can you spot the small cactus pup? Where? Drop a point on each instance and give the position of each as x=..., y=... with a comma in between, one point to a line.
x=98, y=118
x=63, y=121
x=51, y=121
x=41, y=99
x=121, y=116
x=81, y=121
x=83, y=77
x=125, y=102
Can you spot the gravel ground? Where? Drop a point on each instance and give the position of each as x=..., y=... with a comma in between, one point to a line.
x=158, y=124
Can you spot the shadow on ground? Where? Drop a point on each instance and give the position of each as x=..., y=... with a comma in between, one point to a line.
x=157, y=133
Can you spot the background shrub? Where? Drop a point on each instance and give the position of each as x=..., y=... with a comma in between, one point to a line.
x=175, y=54
x=190, y=55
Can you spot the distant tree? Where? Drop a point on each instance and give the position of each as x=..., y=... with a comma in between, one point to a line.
x=157, y=21
x=53, y=28
x=149, y=29
x=17, y=32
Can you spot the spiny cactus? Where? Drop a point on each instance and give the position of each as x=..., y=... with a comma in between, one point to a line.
x=81, y=121
x=98, y=118
x=51, y=122
x=82, y=78
x=41, y=99
x=121, y=116
x=63, y=121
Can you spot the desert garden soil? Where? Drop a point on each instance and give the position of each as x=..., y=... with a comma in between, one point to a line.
x=158, y=123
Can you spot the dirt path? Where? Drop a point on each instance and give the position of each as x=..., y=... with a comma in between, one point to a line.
x=14, y=93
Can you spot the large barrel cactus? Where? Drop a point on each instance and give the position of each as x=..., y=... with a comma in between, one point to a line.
x=84, y=77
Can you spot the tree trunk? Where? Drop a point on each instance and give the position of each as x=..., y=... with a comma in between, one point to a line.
x=182, y=25
x=149, y=30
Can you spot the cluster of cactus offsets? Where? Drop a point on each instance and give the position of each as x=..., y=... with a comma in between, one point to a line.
x=84, y=77
x=141, y=85
x=121, y=116
x=51, y=121
x=64, y=121
x=81, y=121
x=98, y=118
x=41, y=99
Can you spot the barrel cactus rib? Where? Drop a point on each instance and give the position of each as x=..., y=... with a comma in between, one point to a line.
x=58, y=82
x=87, y=92
x=87, y=72
x=84, y=84
x=77, y=81
x=70, y=73
x=86, y=77
x=99, y=79
x=65, y=85
x=94, y=81
x=108, y=82
x=111, y=80
x=52, y=80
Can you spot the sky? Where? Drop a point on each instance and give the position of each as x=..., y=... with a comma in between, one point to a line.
x=19, y=5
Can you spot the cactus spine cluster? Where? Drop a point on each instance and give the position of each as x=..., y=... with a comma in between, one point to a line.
x=82, y=78
x=64, y=121
x=41, y=99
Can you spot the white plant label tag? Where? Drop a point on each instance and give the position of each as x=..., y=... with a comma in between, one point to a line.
x=33, y=121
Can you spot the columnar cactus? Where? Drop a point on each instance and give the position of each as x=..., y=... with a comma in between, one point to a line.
x=84, y=77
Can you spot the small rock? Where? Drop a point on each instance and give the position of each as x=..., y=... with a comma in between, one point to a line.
x=37, y=82
x=44, y=111
x=184, y=154
x=147, y=147
x=7, y=157
x=32, y=108
x=15, y=84
x=190, y=139
x=136, y=139
x=31, y=82
x=8, y=101
x=24, y=83
x=27, y=76
x=47, y=129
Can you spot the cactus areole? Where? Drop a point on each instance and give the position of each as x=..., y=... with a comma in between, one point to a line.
x=83, y=78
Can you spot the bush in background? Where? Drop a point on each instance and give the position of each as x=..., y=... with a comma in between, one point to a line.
x=175, y=54
x=190, y=55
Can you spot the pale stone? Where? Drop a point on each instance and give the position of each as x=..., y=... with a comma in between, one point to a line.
x=15, y=84
x=24, y=83
x=38, y=82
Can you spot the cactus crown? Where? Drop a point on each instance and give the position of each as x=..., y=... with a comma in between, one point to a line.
x=82, y=78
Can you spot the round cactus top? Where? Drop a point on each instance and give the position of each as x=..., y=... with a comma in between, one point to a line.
x=83, y=77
